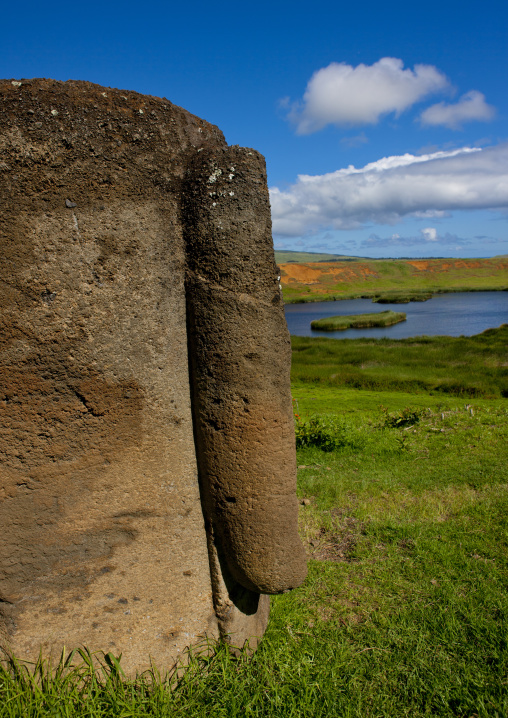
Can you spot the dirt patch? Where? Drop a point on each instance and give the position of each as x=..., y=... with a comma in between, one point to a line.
x=421, y=265
x=328, y=273
x=437, y=265
x=300, y=273
x=338, y=541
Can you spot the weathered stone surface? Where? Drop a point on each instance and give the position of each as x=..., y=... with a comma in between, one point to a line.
x=240, y=357
x=102, y=539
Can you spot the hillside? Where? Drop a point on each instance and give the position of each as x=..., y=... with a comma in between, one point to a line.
x=290, y=256
x=319, y=281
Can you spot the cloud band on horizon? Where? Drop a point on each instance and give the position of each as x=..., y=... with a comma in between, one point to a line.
x=386, y=191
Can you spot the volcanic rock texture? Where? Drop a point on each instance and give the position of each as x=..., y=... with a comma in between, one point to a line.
x=142, y=338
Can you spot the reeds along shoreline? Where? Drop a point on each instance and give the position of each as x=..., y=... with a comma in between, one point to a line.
x=461, y=366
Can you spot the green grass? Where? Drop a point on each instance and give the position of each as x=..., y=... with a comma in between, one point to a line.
x=405, y=608
x=358, y=321
x=418, y=520
x=464, y=366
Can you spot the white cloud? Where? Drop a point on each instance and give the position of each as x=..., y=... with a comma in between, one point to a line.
x=344, y=95
x=470, y=107
x=430, y=234
x=385, y=191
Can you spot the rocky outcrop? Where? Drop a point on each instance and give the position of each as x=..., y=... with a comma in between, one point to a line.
x=146, y=445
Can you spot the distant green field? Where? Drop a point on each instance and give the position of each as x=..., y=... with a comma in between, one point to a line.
x=291, y=256
x=409, y=279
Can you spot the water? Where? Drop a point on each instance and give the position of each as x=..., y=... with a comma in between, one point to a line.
x=463, y=313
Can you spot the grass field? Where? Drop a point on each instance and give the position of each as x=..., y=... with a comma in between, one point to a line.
x=358, y=321
x=404, y=515
x=285, y=256
x=461, y=366
x=307, y=282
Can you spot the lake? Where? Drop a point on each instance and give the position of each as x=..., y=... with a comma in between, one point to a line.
x=451, y=314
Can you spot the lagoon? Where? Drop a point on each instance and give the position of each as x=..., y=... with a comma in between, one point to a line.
x=454, y=314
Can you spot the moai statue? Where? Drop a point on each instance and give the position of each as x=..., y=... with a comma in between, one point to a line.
x=147, y=463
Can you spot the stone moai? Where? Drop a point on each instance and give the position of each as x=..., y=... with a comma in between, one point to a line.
x=147, y=463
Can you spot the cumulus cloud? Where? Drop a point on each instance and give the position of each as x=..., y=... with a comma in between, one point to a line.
x=470, y=107
x=344, y=95
x=430, y=234
x=392, y=188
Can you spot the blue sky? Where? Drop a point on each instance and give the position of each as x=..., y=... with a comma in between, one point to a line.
x=384, y=125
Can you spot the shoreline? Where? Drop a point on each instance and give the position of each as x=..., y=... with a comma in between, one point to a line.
x=374, y=295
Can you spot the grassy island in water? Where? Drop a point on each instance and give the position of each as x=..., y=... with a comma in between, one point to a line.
x=358, y=321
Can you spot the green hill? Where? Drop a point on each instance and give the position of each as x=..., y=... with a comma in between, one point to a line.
x=400, y=279
x=290, y=256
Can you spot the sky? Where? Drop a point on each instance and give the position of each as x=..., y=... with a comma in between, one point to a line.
x=384, y=125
